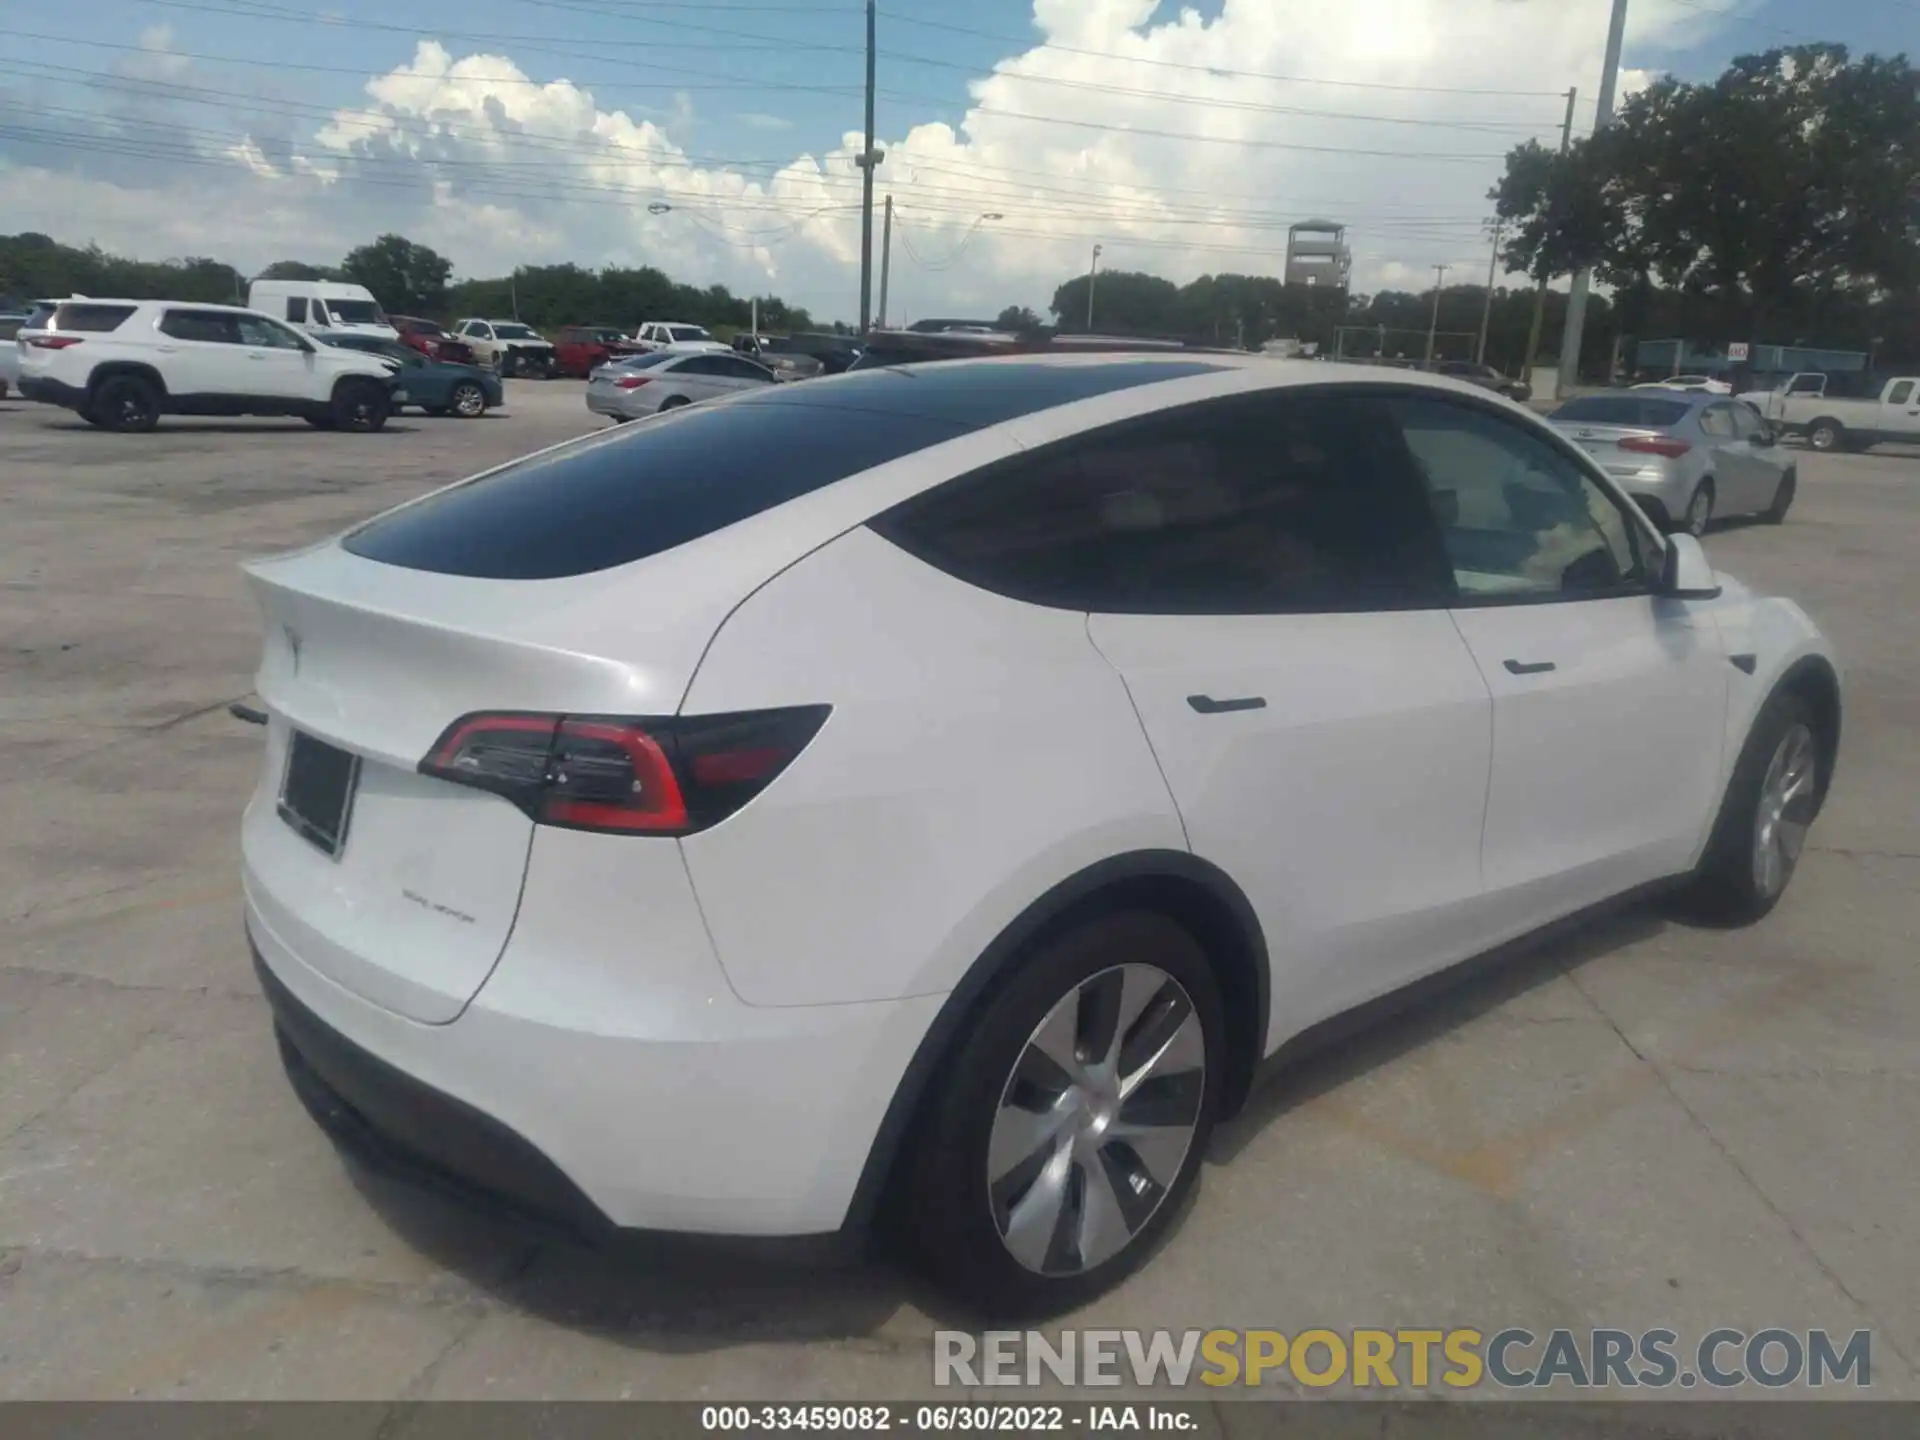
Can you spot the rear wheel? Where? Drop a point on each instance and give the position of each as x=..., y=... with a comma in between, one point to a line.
x=1762, y=827
x=127, y=404
x=1070, y=1125
x=361, y=406
x=674, y=402
x=469, y=400
x=1699, y=510
x=1782, y=499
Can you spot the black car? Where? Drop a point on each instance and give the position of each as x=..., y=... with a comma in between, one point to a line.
x=438, y=387
x=1485, y=376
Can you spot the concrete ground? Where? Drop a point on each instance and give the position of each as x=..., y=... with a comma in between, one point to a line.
x=1646, y=1125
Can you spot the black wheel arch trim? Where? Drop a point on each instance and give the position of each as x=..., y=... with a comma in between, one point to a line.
x=1105, y=881
x=118, y=369
x=1815, y=677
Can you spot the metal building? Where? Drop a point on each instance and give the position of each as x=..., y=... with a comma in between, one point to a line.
x=1317, y=254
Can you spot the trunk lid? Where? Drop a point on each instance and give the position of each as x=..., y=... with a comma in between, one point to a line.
x=1603, y=443
x=376, y=661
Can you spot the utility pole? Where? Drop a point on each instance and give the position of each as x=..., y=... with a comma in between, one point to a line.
x=886, y=259
x=867, y=161
x=1540, y=290
x=1486, y=310
x=1603, y=117
x=1433, y=325
x=1093, y=273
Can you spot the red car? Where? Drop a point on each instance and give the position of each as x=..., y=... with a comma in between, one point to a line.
x=431, y=340
x=579, y=348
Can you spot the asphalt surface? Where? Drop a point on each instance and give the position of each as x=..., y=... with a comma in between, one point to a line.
x=1647, y=1124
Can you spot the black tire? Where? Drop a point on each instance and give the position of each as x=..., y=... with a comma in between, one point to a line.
x=1699, y=511
x=674, y=402
x=950, y=1216
x=1782, y=499
x=1727, y=886
x=469, y=401
x=361, y=406
x=1827, y=436
x=126, y=404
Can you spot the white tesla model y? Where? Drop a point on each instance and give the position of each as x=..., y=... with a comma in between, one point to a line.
x=934, y=791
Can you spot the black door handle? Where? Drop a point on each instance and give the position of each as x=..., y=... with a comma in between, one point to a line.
x=1207, y=705
x=1521, y=667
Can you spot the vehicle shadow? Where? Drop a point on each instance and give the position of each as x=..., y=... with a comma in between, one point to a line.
x=173, y=426
x=687, y=1295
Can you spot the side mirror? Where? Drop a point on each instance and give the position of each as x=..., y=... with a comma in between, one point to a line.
x=1685, y=573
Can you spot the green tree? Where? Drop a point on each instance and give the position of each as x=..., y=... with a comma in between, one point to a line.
x=1123, y=300
x=1770, y=193
x=407, y=279
x=300, y=270
x=1017, y=317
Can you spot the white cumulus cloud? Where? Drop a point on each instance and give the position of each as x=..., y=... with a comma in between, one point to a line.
x=1181, y=145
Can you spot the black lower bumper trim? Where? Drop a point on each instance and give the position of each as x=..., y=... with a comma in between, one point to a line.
x=52, y=392
x=398, y=1126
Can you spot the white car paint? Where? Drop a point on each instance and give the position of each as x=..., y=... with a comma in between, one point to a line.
x=704, y=1032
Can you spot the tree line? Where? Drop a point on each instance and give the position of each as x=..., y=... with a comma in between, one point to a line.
x=407, y=278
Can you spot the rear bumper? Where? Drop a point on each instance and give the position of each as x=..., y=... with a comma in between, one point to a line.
x=600, y=1082
x=51, y=392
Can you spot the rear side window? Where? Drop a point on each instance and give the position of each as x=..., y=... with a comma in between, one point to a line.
x=1242, y=506
x=89, y=319
x=297, y=309
x=639, y=490
x=1624, y=410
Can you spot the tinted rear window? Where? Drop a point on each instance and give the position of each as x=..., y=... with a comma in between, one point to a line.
x=1624, y=410
x=91, y=319
x=642, y=489
x=649, y=487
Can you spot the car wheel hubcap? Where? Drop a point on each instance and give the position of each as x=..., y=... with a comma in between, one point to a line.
x=1096, y=1120
x=468, y=401
x=1699, y=510
x=1785, y=810
x=1823, y=439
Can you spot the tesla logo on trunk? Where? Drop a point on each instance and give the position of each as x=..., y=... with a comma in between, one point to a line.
x=293, y=647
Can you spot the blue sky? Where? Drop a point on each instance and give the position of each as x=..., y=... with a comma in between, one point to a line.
x=740, y=90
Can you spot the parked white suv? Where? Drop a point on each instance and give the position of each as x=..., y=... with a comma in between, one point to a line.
x=122, y=364
x=941, y=788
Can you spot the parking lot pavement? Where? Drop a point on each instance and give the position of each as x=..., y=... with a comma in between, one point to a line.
x=1646, y=1124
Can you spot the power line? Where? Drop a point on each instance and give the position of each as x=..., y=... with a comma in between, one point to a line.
x=1027, y=43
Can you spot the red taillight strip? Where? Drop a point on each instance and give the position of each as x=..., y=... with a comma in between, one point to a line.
x=666, y=808
x=449, y=748
x=1655, y=445
x=53, y=342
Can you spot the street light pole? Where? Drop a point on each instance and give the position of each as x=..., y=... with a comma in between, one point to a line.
x=886, y=259
x=1583, y=281
x=867, y=162
x=1093, y=273
x=1433, y=325
x=1486, y=310
x=1540, y=290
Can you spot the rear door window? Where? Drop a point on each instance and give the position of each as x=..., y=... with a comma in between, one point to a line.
x=1275, y=505
x=206, y=327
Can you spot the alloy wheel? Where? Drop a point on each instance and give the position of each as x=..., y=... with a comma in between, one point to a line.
x=468, y=401
x=1096, y=1120
x=1699, y=511
x=1784, y=811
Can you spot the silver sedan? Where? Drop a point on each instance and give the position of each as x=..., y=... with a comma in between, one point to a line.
x=667, y=379
x=1686, y=455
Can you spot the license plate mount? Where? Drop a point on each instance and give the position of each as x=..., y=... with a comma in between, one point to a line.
x=317, y=790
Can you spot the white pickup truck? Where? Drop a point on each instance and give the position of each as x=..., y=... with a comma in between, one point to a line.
x=1810, y=405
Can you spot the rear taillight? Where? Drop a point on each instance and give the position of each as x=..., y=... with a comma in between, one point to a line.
x=53, y=342
x=670, y=776
x=1655, y=445
x=632, y=382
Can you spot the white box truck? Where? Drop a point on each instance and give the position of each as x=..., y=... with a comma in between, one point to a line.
x=322, y=307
